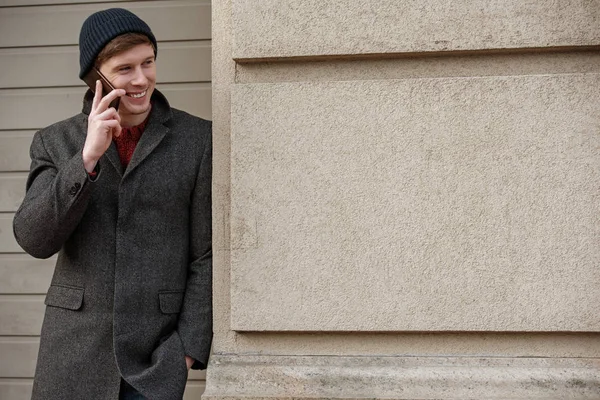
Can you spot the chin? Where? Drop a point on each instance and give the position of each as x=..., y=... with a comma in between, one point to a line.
x=137, y=108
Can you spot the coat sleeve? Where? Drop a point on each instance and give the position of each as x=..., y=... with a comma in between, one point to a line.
x=55, y=200
x=195, y=320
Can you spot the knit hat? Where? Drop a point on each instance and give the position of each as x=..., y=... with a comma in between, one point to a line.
x=102, y=27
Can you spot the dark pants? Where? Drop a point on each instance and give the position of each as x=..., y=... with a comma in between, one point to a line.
x=127, y=392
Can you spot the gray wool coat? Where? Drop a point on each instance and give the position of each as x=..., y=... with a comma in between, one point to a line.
x=131, y=293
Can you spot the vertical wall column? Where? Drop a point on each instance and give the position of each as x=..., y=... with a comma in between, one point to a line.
x=406, y=200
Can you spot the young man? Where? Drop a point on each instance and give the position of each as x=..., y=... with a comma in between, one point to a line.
x=124, y=197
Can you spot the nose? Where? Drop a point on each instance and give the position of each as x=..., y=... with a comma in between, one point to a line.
x=139, y=78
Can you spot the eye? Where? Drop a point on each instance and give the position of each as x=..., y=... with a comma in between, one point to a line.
x=124, y=69
x=149, y=62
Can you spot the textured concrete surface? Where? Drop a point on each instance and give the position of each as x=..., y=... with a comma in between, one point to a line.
x=272, y=377
x=421, y=204
x=287, y=28
x=564, y=117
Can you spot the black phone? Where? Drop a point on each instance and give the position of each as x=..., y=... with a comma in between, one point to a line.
x=107, y=87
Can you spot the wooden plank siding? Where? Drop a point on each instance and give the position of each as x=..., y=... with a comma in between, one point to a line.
x=21, y=315
x=14, y=150
x=12, y=347
x=13, y=190
x=22, y=67
x=39, y=64
x=20, y=389
x=21, y=3
x=22, y=351
x=15, y=389
x=31, y=109
x=23, y=274
x=8, y=244
x=59, y=25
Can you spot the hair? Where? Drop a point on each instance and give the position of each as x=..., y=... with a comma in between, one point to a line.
x=120, y=44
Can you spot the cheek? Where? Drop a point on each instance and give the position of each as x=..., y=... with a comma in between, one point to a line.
x=118, y=82
x=151, y=74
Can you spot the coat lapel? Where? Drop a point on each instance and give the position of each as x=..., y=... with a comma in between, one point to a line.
x=155, y=131
x=152, y=136
x=113, y=156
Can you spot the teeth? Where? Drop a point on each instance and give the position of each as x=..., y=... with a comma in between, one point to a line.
x=137, y=96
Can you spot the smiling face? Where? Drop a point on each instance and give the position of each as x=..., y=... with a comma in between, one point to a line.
x=135, y=71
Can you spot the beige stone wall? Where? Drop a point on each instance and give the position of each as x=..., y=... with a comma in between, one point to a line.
x=411, y=183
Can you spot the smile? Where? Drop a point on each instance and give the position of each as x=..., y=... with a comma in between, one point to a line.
x=137, y=95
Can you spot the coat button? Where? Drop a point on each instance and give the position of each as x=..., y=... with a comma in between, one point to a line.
x=77, y=185
x=73, y=190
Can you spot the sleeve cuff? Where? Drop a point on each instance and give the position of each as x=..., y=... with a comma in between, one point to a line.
x=93, y=176
x=199, y=350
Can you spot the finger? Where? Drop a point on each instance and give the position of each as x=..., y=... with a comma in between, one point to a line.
x=97, y=96
x=108, y=114
x=118, y=119
x=106, y=100
x=112, y=124
x=117, y=131
x=111, y=127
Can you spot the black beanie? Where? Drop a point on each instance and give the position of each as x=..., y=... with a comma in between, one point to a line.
x=102, y=27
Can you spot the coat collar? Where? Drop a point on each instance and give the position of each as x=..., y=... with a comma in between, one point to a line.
x=154, y=133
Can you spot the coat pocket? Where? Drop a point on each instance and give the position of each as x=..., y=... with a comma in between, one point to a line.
x=68, y=297
x=170, y=302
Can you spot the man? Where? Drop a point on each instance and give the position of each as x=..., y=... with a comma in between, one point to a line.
x=124, y=197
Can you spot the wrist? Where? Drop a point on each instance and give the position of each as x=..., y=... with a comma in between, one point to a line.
x=89, y=163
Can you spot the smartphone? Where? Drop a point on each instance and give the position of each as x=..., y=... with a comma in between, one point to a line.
x=107, y=87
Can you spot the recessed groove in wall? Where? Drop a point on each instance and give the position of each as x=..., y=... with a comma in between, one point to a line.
x=37, y=3
x=10, y=131
x=18, y=296
x=487, y=344
x=75, y=46
x=51, y=89
x=4, y=380
x=42, y=46
x=82, y=86
x=402, y=55
x=455, y=64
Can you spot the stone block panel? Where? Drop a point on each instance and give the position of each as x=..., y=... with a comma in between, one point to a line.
x=448, y=204
x=279, y=29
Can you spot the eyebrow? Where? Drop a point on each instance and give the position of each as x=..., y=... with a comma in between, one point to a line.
x=125, y=64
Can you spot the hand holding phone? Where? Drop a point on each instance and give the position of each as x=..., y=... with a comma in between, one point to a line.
x=107, y=87
x=104, y=123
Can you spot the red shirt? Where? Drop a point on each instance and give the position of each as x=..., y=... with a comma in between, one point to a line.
x=127, y=141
